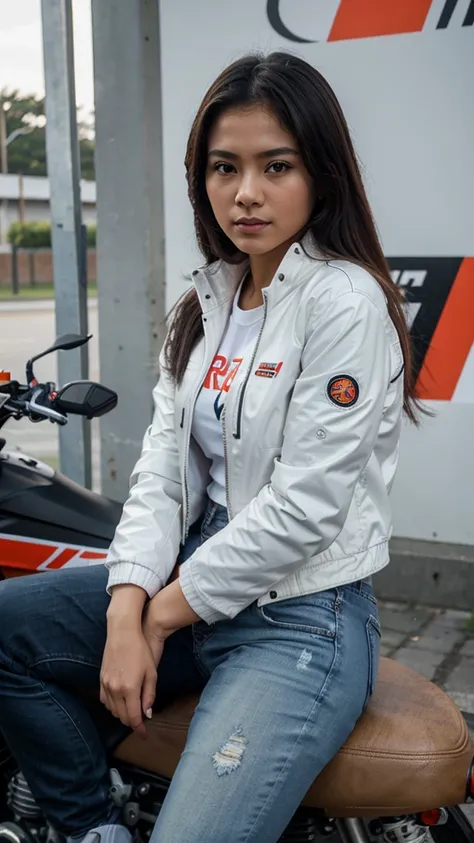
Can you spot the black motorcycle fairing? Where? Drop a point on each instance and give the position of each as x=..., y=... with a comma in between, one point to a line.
x=45, y=501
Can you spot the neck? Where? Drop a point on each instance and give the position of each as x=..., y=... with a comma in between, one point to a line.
x=263, y=267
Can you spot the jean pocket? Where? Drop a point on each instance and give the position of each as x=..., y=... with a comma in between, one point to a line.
x=313, y=613
x=202, y=631
x=373, y=647
x=362, y=589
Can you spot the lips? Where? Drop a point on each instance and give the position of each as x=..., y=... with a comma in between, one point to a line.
x=251, y=224
x=250, y=221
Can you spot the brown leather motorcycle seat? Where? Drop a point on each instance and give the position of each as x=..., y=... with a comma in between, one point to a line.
x=409, y=752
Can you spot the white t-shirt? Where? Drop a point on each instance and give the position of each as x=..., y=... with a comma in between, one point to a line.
x=236, y=350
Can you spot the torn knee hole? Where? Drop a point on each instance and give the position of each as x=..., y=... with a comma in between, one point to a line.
x=228, y=757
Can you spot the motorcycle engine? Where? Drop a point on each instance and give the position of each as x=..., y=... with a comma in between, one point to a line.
x=21, y=819
x=20, y=800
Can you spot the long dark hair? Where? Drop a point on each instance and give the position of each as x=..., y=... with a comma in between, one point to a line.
x=342, y=222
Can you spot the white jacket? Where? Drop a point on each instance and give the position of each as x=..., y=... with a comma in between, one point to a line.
x=311, y=452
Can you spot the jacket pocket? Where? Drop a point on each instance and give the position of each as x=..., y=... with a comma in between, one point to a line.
x=315, y=613
x=373, y=644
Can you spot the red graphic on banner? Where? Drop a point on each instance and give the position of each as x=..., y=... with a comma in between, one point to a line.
x=452, y=339
x=370, y=18
x=373, y=18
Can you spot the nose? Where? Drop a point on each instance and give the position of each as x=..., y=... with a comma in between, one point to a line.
x=249, y=191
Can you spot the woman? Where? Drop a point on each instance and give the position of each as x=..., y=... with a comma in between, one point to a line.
x=265, y=474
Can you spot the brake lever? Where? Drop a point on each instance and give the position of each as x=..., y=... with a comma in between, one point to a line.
x=42, y=409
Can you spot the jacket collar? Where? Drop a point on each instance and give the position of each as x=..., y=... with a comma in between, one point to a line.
x=217, y=283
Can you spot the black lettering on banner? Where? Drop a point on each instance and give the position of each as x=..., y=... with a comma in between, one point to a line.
x=446, y=14
x=469, y=19
x=426, y=282
x=274, y=17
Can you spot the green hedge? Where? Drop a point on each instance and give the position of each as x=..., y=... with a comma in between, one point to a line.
x=37, y=235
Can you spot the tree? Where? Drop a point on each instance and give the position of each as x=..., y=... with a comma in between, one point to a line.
x=27, y=153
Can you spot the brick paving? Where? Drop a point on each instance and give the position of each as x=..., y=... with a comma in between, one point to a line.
x=436, y=643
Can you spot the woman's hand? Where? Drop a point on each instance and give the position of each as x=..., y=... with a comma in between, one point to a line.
x=128, y=674
x=128, y=677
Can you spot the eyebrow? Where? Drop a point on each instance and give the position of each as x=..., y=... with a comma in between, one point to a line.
x=269, y=153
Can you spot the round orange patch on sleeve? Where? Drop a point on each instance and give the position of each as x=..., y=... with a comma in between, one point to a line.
x=343, y=390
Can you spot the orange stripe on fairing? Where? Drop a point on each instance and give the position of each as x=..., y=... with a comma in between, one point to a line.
x=369, y=18
x=21, y=553
x=87, y=554
x=62, y=558
x=452, y=339
x=25, y=554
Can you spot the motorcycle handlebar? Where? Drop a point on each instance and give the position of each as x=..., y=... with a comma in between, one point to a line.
x=35, y=403
x=41, y=401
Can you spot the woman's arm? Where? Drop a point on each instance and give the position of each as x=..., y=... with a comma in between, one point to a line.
x=126, y=607
x=146, y=542
x=325, y=448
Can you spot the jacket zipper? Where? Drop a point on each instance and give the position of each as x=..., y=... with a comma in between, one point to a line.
x=237, y=434
x=226, y=466
x=188, y=439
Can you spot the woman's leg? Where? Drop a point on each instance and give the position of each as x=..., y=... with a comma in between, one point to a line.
x=52, y=636
x=288, y=683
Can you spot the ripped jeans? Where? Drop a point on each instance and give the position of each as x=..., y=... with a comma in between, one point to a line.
x=282, y=688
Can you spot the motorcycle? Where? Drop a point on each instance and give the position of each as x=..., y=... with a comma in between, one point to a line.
x=400, y=777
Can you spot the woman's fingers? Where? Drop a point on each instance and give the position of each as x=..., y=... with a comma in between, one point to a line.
x=128, y=676
x=148, y=693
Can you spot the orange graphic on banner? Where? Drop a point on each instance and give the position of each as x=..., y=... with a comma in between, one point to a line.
x=370, y=18
x=452, y=340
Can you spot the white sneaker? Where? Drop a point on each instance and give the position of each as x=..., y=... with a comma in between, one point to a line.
x=115, y=833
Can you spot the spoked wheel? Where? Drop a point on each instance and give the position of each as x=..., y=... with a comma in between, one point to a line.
x=458, y=829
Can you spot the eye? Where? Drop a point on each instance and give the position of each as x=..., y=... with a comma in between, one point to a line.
x=278, y=167
x=224, y=169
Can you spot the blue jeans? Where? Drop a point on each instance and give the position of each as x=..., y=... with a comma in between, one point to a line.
x=282, y=688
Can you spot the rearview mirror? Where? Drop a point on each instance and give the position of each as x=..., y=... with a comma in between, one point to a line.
x=65, y=342
x=85, y=398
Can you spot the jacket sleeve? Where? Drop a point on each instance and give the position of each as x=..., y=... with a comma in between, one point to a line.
x=326, y=446
x=146, y=542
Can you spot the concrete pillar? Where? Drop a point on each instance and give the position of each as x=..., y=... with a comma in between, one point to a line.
x=130, y=224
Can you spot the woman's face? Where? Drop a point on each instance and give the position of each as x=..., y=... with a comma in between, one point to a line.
x=259, y=189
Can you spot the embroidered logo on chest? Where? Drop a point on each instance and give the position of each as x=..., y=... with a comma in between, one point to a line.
x=268, y=370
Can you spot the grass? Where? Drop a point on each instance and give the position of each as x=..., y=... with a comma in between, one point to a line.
x=41, y=291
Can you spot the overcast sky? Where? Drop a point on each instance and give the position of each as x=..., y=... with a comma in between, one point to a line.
x=21, y=50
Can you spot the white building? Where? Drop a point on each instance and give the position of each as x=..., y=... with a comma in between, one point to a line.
x=33, y=193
